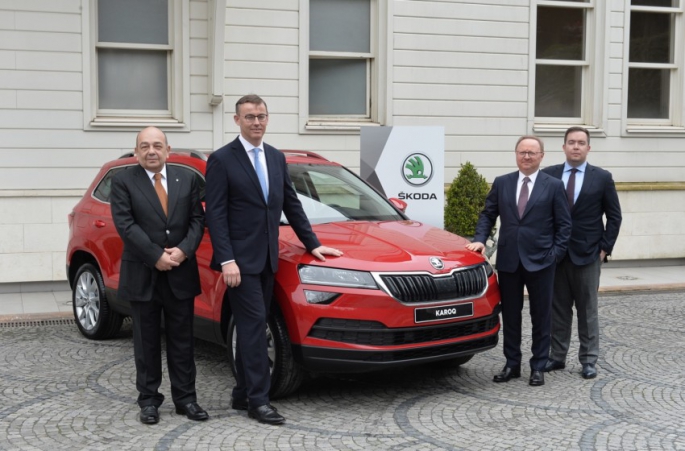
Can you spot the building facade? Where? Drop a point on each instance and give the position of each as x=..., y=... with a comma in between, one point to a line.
x=79, y=78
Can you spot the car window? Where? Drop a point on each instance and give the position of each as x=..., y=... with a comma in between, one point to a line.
x=332, y=193
x=104, y=188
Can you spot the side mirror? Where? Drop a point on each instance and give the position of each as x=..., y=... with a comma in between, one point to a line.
x=399, y=204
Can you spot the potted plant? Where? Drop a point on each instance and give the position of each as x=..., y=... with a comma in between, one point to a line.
x=465, y=200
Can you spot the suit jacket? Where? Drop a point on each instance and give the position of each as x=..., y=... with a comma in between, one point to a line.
x=540, y=237
x=597, y=198
x=242, y=225
x=146, y=231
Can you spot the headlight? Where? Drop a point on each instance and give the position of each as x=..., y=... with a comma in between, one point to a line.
x=320, y=297
x=318, y=275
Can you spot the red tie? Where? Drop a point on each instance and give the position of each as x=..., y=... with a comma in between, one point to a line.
x=161, y=193
x=523, y=197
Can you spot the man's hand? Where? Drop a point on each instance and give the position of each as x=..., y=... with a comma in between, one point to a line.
x=320, y=251
x=231, y=274
x=176, y=254
x=165, y=263
x=476, y=247
x=602, y=256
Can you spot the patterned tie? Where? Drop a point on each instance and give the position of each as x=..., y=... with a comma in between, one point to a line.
x=161, y=193
x=260, y=173
x=523, y=196
x=571, y=187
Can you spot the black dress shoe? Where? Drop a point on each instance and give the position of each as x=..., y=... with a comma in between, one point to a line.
x=553, y=365
x=589, y=371
x=149, y=415
x=266, y=414
x=238, y=404
x=507, y=373
x=193, y=411
x=537, y=378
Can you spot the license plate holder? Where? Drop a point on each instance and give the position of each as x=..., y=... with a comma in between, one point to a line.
x=443, y=312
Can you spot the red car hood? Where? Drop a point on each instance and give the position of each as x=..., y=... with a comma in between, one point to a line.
x=385, y=246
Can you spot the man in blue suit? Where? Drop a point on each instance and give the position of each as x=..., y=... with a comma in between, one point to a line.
x=534, y=231
x=591, y=195
x=248, y=187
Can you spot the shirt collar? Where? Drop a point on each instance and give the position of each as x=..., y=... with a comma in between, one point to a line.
x=581, y=168
x=532, y=176
x=151, y=175
x=248, y=146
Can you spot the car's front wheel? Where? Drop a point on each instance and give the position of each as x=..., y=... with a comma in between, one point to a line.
x=94, y=316
x=286, y=375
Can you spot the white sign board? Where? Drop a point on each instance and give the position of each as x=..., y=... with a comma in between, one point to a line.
x=407, y=163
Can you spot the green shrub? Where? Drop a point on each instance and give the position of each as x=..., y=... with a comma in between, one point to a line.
x=465, y=200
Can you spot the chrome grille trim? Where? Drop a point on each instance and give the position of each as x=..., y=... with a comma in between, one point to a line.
x=412, y=288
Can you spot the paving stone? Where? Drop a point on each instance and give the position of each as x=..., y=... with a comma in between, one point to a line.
x=60, y=391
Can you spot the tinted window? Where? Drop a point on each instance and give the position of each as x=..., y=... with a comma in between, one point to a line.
x=104, y=188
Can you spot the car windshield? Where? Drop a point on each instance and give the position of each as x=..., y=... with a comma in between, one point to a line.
x=332, y=194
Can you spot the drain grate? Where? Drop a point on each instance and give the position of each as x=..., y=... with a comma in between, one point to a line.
x=38, y=322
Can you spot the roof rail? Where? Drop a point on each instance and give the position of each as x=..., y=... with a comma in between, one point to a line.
x=306, y=153
x=193, y=154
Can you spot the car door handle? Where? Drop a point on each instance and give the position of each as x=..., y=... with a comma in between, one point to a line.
x=99, y=223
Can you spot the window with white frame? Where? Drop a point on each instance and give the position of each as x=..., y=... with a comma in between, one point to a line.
x=341, y=83
x=135, y=68
x=564, y=53
x=654, y=63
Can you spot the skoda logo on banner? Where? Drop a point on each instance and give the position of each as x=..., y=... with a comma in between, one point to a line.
x=417, y=169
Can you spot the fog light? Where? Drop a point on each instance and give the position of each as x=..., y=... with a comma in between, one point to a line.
x=320, y=297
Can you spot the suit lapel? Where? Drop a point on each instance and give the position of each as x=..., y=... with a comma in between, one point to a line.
x=244, y=161
x=512, y=186
x=539, y=187
x=588, y=180
x=145, y=186
x=173, y=186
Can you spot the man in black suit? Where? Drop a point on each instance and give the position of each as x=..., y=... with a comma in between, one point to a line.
x=157, y=211
x=535, y=228
x=591, y=194
x=248, y=187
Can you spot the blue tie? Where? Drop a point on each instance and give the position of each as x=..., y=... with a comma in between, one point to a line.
x=260, y=173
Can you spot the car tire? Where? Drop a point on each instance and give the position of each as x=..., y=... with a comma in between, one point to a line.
x=92, y=313
x=286, y=374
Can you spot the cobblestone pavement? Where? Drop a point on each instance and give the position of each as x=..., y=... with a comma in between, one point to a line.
x=61, y=391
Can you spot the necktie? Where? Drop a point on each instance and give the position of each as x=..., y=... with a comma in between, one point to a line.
x=161, y=193
x=523, y=196
x=260, y=173
x=571, y=187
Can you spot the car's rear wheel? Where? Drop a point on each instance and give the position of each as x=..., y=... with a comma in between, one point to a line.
x=94, y=316
x=286, y=375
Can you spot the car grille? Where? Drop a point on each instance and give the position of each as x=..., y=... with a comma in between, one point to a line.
x=373, y=333
x=418, y=288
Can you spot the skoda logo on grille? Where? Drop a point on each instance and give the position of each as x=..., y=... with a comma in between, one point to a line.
x=436, y=263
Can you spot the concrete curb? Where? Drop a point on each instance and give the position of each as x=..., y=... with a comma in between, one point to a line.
x=642, y=288
x=35, y=317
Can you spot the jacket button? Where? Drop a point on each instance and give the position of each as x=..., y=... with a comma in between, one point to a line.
x=167, y=232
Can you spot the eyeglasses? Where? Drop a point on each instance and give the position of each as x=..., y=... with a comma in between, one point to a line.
x=528, y=154
x=252, y=117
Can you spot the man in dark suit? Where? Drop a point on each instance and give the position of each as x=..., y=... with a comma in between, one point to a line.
x=535, y=228
x=157, y=211
x=248, y=187
x=591, y=194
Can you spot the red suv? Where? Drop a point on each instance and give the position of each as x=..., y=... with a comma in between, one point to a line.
x=403, y=293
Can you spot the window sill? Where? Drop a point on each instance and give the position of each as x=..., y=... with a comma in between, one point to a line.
x=560, y=130
x=336, y=127
x=121, y=123
x=647, y=130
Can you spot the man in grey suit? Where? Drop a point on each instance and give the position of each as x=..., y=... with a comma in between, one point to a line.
x=535, y=227
x=591, y=194
x=157, y=211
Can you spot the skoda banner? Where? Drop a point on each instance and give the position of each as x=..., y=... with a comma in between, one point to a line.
x=407, y=163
